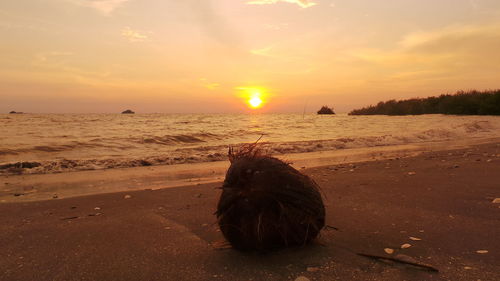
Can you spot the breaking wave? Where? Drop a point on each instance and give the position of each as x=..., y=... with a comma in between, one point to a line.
x=113, y=143
x=176, y=139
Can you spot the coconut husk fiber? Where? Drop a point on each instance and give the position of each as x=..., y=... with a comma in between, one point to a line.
x=266, y=204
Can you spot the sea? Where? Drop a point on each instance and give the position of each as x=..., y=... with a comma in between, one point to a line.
x=58, y=143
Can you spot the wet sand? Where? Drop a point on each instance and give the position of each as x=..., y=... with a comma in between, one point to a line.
x=444, y=198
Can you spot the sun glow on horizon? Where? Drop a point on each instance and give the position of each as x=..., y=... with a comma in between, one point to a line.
x=255, y=102
x=254, y=97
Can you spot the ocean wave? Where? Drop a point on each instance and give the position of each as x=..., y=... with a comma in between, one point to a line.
x=117, y=143
x=104, y=148
x=8, y=151
x=209, y=153
x=477, y=126
x=62, y=147
x=179, y=139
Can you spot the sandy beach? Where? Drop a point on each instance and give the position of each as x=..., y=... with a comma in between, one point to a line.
x=297, y=140
x=440, y=203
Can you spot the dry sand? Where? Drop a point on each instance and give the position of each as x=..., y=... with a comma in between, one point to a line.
x=444, y=198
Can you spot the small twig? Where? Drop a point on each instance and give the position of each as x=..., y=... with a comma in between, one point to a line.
x=69, y=218
x=261, y=136
x=246, y=150
x=96, y=214
x=423, y=266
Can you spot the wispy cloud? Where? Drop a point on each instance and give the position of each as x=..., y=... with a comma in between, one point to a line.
x=55, y=57
x=212, y=86
x=209, y=85
x=455, y=54
x=301, y=3
x=453, y=37
x=263, y=52
x=451, y=41
x=133, y=35
x=106, y=7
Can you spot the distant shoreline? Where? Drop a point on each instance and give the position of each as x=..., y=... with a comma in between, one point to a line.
x=462, y=103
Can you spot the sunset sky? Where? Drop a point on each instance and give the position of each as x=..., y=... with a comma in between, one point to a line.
x=202, y=55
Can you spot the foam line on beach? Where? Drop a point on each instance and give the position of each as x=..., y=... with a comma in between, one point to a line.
x=21, y=188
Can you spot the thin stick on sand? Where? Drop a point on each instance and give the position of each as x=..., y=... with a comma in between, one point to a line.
x=423, y=266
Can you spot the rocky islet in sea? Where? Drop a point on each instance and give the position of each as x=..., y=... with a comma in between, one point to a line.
x=326, y=110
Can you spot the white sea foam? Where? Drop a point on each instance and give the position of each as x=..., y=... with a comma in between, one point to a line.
x=69, y=142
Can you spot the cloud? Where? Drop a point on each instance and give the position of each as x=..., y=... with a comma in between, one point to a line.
x=106, y=7
x=212, y=86
x=301, y=3
x=209, y=85
x=52, y=56
x=456, y=55
x=452, y=38
x=263, y=51
x=453, y=41
x=134, y=35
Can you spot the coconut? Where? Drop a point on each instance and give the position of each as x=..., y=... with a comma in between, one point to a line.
x=266, y=204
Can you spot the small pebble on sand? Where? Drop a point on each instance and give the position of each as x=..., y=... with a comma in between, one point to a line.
x=127, y=196
x=405, y=246
x=389, y=251
x=312, y=269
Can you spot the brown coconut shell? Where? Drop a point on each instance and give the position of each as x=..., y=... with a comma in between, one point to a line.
x=266, y=204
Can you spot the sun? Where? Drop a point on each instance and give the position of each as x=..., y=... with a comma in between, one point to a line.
x=253, y=97
x=255, y=102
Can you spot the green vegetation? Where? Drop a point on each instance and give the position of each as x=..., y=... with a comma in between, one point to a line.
x=462, y=103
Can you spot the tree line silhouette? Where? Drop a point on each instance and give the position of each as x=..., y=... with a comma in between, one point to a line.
x=462, y=103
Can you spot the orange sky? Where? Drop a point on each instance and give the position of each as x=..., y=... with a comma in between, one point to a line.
x=196, y=56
